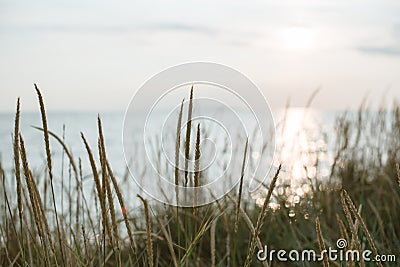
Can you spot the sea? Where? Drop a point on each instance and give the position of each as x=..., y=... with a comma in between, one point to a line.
x=292, y=124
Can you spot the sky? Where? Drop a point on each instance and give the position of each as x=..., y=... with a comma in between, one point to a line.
x=93, y=55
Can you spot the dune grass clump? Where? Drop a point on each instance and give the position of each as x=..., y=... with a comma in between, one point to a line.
x=356, y=202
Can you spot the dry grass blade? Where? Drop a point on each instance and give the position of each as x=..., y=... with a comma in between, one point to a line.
x=65, y=148
x=197, y=158
x=106, y=182
x=312, y=96
x=122, y=206
x=362, y=224
x=250, y=225
x=177, y=152
x=105, y=222
x=352, y=225
x=398, y=173
x=342, y=227
x=149, y=242
x=103, y=172
x=18, y=173
x=42, y=213
x=321, y=242
x=49, y=166
x=227, y=244
x=108, y=193
x=381, y=223
x=354, y=241
x=32, y=198
x=38, y=209
x=212, y=241
x=260, y=220
x=169, y=242
x=226, y=227
x=195, y=241
x=187, y=140
x=3, y=180
x=16, y=158
x=197, y=155
x=241, y=187
x=45, y=131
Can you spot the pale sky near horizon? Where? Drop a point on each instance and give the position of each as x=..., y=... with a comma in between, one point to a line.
x=93, y=55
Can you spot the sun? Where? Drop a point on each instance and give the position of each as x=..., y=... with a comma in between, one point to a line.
x=298, y=38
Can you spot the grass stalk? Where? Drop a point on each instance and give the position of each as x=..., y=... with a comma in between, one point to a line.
x=123, y=208
x=168, y=239
x=177, y=169
x=49, y=166
x=106, y=181
x=35, y=208
x=342, y=228
x=149, y=241
x=188, y=134
x=212, y=242
x=362, y=224
x=241, y=187
x=177, y=151
x=196, y=171
x=18, y=176
x=261, y=219
x=105, y=222
x=321, y=242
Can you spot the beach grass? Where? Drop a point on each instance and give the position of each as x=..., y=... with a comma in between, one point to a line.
x=357, y=202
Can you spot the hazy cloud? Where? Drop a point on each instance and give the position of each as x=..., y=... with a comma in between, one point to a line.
x=111, y=29
x=384, y=50
x=180, y=27
x=389, y=47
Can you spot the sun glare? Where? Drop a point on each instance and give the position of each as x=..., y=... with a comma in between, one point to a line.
x=298, y=38
x=299, y=141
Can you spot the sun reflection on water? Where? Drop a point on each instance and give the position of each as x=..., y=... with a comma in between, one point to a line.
x=302, y=148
